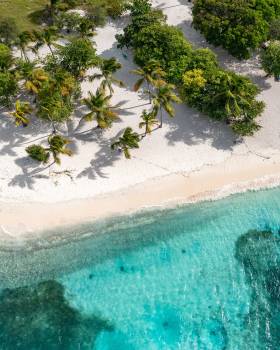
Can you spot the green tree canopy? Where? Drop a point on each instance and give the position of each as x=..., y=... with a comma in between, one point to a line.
x=8, y=88
x=77, y=56
x=270, y=58
x=239, y=26
x=6, y=58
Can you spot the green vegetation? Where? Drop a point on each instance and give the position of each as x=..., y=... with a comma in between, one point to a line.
x=169, y=66
x=21, y=12
x=126, y=142
x=239, y=26
x=221, y=94
x=270, y=59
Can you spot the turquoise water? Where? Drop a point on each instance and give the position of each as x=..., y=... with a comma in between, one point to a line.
x=204, y=276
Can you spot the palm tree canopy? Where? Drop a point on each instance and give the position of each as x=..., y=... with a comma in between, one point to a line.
x=21, y=110
x=151, y=72
x=127, y=141
x=164, y=97
x=148, y=121
x=100, y=109
x=57, y=145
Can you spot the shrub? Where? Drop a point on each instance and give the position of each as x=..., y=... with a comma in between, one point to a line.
x=274, y=29
x=239, y=26
x=6, y=57
x=203, y=84
x=162, y=43
x=270, y=58
x=8, y=88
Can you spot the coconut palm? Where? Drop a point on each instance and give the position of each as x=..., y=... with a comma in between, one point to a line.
x=65, y=82
x=127, y=141
x=22, y=109
x=232, y=98
x=108, y=68
x=163, y=100
x=151, y=73
x=58, y=145
x=100, y=109
x=22, y=42
x=148, y=121
x=47, y=36
x=35, y=79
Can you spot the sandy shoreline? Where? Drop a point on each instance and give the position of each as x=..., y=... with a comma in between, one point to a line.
x=20, y=220
x=191, y=158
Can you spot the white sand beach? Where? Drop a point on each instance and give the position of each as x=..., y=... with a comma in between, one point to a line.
x=190, y=158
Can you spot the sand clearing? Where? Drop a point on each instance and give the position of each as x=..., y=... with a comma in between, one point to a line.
x=190, y=158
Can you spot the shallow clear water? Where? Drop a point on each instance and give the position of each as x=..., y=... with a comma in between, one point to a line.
x=204, y=276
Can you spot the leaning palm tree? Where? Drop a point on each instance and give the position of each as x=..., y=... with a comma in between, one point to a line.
x=148, y=121
x=127, y=141
x=151, y=73
x=22, y=42
x=163, y=100
x=108, y=68
x=57, y=146
x=47, y=36
x=22, y=109
x=100, y=109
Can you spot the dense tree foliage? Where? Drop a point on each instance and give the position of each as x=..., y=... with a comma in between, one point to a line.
x=270, y=59
x=6, y=58
x=8, y=88
x=77, y=56
x=274, y=29
x=221, y=94
x=237, y=25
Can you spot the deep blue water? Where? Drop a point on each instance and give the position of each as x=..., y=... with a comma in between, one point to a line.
x=204, y=276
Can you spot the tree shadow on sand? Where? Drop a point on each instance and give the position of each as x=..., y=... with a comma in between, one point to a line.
x=30, y=172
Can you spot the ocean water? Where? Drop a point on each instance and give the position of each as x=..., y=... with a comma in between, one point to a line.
x=203, y=276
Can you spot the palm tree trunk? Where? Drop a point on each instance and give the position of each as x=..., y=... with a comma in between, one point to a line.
x=161, y=118
x=49, y=46
x=54, y=128
x=25, y=55
x=147, y=127
x=149, y=92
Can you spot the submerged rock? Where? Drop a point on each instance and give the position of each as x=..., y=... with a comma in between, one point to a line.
x=259, y=254
x=40, y=317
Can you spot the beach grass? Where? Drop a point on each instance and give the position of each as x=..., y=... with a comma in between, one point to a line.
x=22, y=11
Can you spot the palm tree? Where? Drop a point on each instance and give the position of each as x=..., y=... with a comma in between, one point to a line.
x=35, y=79
x=22, y=109
x=108, y=68
x=47, y=36
x=163, y=100
x=232, y=98
x=65, y=82
x=127, y=141
x=57, y=146
x=100, y=109
x=149, y=120
x=151, y=73
x=22, y=42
